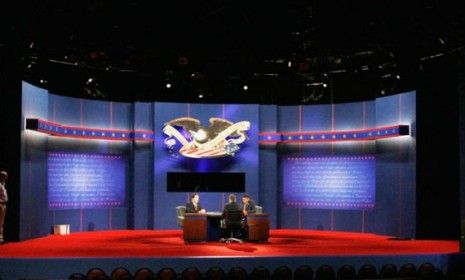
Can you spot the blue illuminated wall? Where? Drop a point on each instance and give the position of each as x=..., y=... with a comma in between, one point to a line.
x=395, y=205
x=396, y=168
x=85, y=181
x=35, y=217
x=245, y=160
x=329, y=182
x=148, y=205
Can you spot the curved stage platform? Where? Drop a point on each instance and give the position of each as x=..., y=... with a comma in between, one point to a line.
x=56, y=256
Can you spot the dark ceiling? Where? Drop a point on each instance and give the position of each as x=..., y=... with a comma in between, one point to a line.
x=286, y=52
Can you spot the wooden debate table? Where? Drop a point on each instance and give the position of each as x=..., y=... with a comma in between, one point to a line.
x=207, y=227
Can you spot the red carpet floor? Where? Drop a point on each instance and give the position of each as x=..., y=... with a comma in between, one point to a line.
x=168, y=243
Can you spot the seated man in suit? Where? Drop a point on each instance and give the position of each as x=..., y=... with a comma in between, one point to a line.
x=248, y=207
x=193, y=206
x=232, y=206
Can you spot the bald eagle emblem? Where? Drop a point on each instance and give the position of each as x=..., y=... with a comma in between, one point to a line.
x=221, y=138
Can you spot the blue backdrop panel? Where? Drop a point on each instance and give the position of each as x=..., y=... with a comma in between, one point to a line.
x=34, y=102
x=142, y=209
x=64, y=110
x=304, y=118
x=329, y=182
x=314, y=118
x=363, y=116
x=349, y=116
x=95, y=114
x=246, y=160
x=354, y=116
x=396, y=167
x=149, y=205
x=288, y=121
x=268, y=187
x=288, y=118
x=85, y=181
x=36, y=219
x=33, y=202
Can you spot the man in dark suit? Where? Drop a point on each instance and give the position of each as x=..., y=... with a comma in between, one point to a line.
x=193, y=206
x=248, y=205
x=232, y=206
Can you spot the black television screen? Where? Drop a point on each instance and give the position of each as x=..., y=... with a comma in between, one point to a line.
x=205, y=182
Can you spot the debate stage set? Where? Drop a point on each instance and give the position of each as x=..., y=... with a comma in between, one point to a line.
x=102, y=182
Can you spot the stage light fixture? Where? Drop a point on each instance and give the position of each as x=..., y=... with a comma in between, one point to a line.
x=245, y=87
x=325, y=85
x=168, y=85
x=200, y=93
x=90, y=80
x=404, y=130
x=398, y=77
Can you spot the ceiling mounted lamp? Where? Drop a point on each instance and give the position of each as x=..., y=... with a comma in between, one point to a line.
x=197, y=76
x=94, y=89
x=200, y=93
x=337, y=60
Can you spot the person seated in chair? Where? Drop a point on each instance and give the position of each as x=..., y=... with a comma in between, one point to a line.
x=248, y=207
x=232, y=206
x=193, y=206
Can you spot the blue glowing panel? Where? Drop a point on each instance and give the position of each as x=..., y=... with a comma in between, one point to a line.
x=342, y=182
x=77, y=181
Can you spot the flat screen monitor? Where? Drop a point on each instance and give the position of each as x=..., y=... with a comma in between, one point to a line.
x=205, y=182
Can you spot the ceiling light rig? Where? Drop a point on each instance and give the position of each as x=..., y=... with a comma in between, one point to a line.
x=94, y=89
x=200, y=94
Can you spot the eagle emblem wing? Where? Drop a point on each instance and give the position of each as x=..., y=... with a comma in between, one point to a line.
x=189, y=124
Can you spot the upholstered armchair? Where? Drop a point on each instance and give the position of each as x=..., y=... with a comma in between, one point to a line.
x=180, y=211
